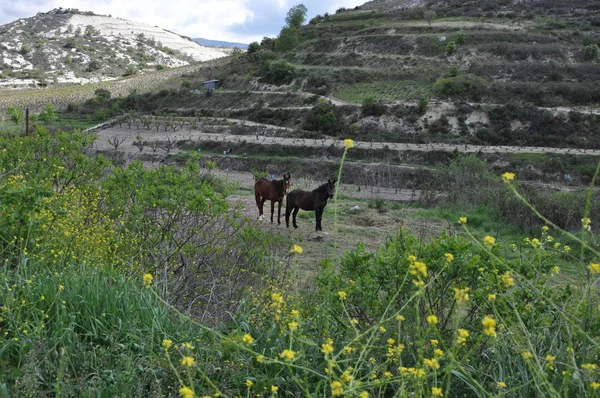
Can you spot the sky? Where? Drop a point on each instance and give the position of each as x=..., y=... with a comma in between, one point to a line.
x=242, y=21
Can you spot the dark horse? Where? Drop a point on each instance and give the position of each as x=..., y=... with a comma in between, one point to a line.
x=314, y=200
x=272, y=190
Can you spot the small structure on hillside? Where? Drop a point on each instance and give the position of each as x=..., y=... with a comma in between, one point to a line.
x=210, y=86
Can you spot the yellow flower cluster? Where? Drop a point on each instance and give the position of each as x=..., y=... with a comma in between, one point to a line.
x=594, y=268
x=188, y=361
x=432, y=320
x=461, y=295
x=436, y=392
x=287, y=355
x=186, y=392
x=348, y=143
x=508, y=176
x=508, y=280
x=462, y=220
x=489, y=240
x=296, y=249
x=449, y=257
x=337, y=389
x=463, y=335
x=148, y=280
x=432, y=363
x=489, y=326
x=247, y=338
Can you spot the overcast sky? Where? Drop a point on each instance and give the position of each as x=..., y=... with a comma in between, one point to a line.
x=229, y=20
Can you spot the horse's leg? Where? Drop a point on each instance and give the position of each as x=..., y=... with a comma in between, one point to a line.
x=272, y=210
x=318, y=216
x=279, y=213
x=288, y=210
x=295, y=212
x=260, y=209
x=257, y=197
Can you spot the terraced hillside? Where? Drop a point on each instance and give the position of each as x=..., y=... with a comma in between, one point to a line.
x=406, y=79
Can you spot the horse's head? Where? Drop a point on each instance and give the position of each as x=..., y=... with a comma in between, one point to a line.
x=331, y=188
x=286, y=182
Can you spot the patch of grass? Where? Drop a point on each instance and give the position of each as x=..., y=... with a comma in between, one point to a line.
x=384, y=91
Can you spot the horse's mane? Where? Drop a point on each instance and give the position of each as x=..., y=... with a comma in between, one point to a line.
x=321, y=188
x=279, y=184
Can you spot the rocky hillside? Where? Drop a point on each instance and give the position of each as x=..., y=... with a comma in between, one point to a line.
x=67, y=46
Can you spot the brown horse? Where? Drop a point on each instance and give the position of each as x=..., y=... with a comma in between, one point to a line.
x=315, y=200
x=271, y=190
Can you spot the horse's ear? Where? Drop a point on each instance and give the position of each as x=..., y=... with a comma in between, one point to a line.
x=334, y=181
x=287, y=176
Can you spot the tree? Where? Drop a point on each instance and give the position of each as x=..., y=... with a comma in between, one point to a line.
x=17, y=115
x=48, y=115
x=296, y=16
x=102, y=95
x=429, y=16
x=289, y=37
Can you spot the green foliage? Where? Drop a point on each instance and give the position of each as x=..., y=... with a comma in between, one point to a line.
x=102, y=95
x=466, y=85
x=422, y=105
x=450, y=47
x=324, y=118
x=429, y=16
x=91, y=31
x=16, y=115
x=48, y=115
x=288, y=39
x=371, y=108
x=592, y=52
x=25, y=49
x=296, y=16
x=279, y=72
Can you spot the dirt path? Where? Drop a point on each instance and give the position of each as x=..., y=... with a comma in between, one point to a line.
x=128, y=137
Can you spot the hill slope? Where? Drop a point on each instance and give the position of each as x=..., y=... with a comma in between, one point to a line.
x=66, y=46
x=218, y=43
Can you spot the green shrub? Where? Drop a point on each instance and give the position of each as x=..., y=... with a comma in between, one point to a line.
x=279, y=72
x=466, y=85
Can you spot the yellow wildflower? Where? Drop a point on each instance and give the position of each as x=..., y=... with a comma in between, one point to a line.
x=260, y=358
x=418, y=283
x=526, y=355
x=295, y=314
x=348, y=143
x=148, y=280
x=186, y=392
x=432, y=363
x=61, y=288
x=274, y=389
x=501, y=384
x=167, y=343
x=508, y=176
x=363, y=394
x=249, y=383
x=535, y=242
x=438, y=352
x=489, y=326
x=462, y=220
x=545, y=228
x=461, y=295
x=326, y=348
x=400, y=318
x=434, y=342
x=449, y=257
x=556, y=270
x=387, y=374
x=566, y=248
x=432, y=320
x=595, y=385
x=337, y=388
x=391, y=341
x=589, y=366
x=594, y=268
x=296, y=249
x=247, y=338
x=508, y=280
x=288, y=355
x=342, y=295
x=436, y=392
x=293, y=325
x=382, y=329
x=489, y=240
x=188, y=361
x=491, y=297
x=189, y=346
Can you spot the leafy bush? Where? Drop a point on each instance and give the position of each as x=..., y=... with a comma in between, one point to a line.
x=466, y=85
x=279, y=72
x=372, y=108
